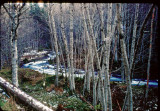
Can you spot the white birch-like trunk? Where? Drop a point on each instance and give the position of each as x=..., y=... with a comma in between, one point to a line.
x=66, y=48
x=14, y=63
x=127, y=73
x=106, y=47
x=54, y=40
x=63, y=61
x=125, y=59
x=90, y=26
x=134, y=35
x=89, y=44
x=103, y=89
x=88, y=73
x=71, y=47
x=14, y=49
x=98, y=92
x=56, y=48
x=107, y=56
x=87, y=67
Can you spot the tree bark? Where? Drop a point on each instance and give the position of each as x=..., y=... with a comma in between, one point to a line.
x=14, y=48
x=66, y=48
x=14, y=15
x=149, y=58
x=134, y=35
x=54, y=40
x=125, y=59
x=71, y=47
x=93, y=40
x=89, y=44
x=23, y=96
x=106, y=47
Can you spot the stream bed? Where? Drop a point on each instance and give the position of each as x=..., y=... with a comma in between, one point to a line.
x=43, y=66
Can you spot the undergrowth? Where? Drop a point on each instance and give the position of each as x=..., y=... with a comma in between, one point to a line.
x=32, y=81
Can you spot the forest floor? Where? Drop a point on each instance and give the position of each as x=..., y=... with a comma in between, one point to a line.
x=32, y=82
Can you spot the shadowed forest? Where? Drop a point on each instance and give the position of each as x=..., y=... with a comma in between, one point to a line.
x=79, y=57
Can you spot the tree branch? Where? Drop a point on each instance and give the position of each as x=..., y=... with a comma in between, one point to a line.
x=7, y=11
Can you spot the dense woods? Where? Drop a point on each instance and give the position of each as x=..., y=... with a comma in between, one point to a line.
x=98, y=41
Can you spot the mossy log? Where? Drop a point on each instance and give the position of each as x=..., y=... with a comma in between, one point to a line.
x=23, y=96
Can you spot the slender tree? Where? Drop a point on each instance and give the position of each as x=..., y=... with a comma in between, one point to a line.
x=149, y=58
x=134, y=35
x=54, y=39
x=125, y=59
x=14, y=14
x=71, y=47
x=66, y=49
x=89, y=44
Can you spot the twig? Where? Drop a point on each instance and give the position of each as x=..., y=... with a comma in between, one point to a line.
x=81, y=97
x=119, y=105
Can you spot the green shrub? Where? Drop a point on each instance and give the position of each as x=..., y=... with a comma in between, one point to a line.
x=50, y=80
x=1, y=103
x=77, y=104
x=98, y=106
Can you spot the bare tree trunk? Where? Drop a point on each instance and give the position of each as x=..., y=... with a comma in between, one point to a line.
x=96, y=54
x=99, y=97
x=71, y=47
x=149, y=58
x=87, y=65
x=14, y=49
x=63, y=61
x=125, y=59
x=14, y=63
x=88, y=72
x=106, y=46
x=134, y=35
x=89, y=44
x=122, y=71
x=87, y=80
x=54, y=40
x=14, y=15
x=106, y=61
x=66, y=48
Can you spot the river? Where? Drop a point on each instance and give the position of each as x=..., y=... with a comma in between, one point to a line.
x=43, y=66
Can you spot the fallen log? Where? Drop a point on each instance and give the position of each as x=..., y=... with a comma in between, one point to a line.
x=23, y=96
